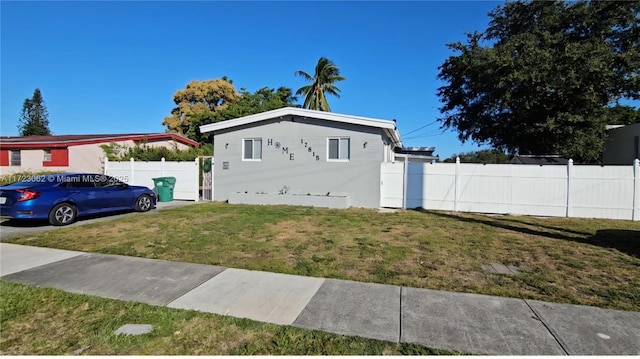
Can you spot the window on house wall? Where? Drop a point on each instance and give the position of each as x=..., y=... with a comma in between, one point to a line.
x=15, y=158
x=339, y=149
x=252, y=149
x=47, y=156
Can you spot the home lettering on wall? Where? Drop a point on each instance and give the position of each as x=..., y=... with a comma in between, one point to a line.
x=285, y=150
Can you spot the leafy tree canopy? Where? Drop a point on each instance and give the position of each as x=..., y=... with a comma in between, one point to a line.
x=199, y=103
x=34, y=117
x=481, y=156
x=264, y=99
x=622, y=115
x=211, y=101
x=547, y=79
x=322, y=82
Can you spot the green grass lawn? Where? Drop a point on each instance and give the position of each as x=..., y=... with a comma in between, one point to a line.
x=51, y=322
x=565, y=260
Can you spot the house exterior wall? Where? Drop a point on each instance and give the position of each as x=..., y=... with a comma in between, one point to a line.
x=80, y=158
x=86, y=158
x=30, y=160
x=294, y=155
x=621, y=145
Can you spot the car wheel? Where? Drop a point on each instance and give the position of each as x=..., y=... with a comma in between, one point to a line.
x=62, y=214
x=143, y=203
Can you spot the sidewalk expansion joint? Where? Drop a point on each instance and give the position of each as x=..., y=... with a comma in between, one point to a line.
x=551, y=331
x=198, y=285
x=400, y=320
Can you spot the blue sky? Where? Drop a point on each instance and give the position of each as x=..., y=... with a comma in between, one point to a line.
x=113, y=67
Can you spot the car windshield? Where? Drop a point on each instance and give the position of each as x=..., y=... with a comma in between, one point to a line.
x=106, y=181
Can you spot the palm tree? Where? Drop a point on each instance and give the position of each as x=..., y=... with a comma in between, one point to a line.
x=327, y=73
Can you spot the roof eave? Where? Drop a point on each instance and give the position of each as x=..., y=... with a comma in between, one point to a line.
x=388, y=126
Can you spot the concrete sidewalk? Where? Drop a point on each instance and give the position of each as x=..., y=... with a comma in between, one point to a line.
x=469, y=323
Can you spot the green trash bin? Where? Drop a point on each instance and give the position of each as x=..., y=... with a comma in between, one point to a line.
x=164, y=188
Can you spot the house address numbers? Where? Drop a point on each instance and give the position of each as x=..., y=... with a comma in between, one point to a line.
x=285, y=150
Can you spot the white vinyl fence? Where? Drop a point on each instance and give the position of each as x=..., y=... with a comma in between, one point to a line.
x=564, y=191
x=141, y=173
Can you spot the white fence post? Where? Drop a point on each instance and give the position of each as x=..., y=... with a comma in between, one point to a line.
x=212, y=178
x=162, y=166
x=198, y=172
x=106, y=166
x=405, y=182
x=133, y=171
x=635, y=216
x=569, y=177
x=456, y=185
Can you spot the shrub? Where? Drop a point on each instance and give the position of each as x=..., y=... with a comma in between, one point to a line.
x=144, y=152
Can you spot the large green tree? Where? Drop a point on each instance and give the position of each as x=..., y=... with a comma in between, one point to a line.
x=264, y=99
x=198, y=103
x=34, y=117
x=622, y=115
x=210, y=101
x=543, y=77
x=321, y=83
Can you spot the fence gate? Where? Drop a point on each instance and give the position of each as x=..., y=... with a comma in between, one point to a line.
x=392, y=185
x=206, y=183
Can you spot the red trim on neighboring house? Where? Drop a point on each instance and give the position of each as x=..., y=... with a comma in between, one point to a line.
x=59, y=158
x=65, y=141
x=4, y=158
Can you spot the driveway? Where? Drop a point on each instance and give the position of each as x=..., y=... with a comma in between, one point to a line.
x=13, y=228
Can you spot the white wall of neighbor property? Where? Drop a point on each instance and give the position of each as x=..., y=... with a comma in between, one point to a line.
x=563, y=191
x=141, y=173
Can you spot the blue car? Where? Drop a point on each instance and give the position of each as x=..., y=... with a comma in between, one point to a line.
x=62, y=198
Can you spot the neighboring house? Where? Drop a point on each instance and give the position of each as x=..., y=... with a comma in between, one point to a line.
x=416, y=154
x=622, y=144
x=538, y=160
x=73, y=153
x=304, y=153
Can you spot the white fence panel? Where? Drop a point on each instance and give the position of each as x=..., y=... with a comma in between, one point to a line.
x=571, y=191
x=603, y=192
x=538, y=190
x=484, y=188
x=432, y=186
x=141, y=173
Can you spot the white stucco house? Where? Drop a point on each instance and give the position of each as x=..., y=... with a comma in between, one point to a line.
x=74, y=153
x=622, y=144
x=298, y=156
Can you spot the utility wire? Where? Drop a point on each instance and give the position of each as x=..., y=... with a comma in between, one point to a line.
x=420, y=128
x=429, y=134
